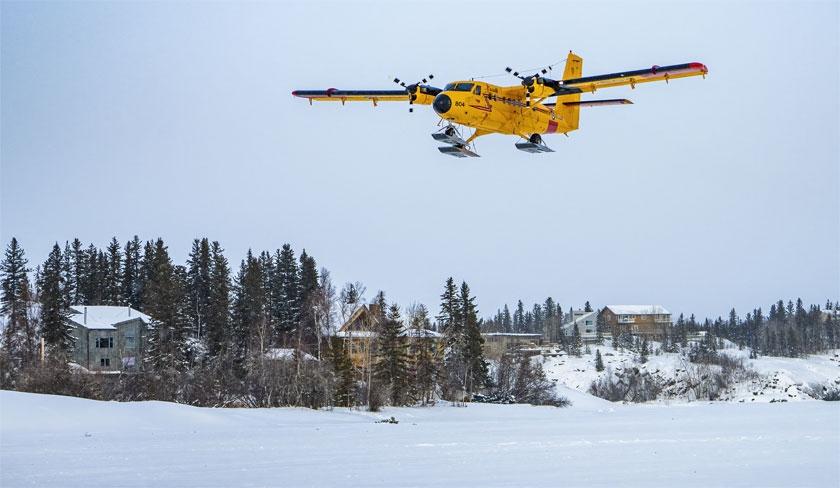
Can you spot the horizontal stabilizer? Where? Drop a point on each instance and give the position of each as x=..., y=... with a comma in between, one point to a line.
x=594, y=103
x=598, y=103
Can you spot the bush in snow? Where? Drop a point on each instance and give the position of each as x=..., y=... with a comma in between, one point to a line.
x=523, y=382
x=628, y=385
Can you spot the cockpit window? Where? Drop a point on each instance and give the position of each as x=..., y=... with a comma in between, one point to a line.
x=459, y=87
x=477, y=90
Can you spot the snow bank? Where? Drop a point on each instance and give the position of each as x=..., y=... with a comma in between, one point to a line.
x=67, y=442
x=780, y=379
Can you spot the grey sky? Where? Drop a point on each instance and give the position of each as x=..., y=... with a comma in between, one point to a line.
x=175, y=120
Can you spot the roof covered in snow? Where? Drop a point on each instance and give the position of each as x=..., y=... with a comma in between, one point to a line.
x=104, y=316
x=637, y=309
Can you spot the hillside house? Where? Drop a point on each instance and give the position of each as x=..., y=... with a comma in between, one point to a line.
x=108, y=338
x=644, y=320
x=361, y=329
x=587, y=323
x=498, y=343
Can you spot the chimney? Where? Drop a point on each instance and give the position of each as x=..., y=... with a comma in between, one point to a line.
x=85, y=315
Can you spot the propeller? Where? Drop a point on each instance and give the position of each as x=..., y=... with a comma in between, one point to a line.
x=412, y=89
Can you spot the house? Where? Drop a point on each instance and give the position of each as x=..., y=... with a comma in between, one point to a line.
x=362, y=328
x=587, y=323
x=498, y=343
x=646, y=320
x=108, y=338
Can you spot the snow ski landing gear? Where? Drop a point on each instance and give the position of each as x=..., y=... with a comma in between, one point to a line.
x=457, y=145
x=534, y=145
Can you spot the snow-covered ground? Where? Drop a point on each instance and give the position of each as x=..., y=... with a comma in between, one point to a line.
x=61, y=441
x=778, y=378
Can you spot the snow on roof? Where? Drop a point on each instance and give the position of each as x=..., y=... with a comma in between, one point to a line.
x=510, y=334
x=104, y=316
x=637, y=309
x=420, y=333
x=287, y=353
x=569, y=319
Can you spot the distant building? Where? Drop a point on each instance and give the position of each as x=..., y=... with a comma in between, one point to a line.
x=108, y=338
x=587, y=323
x=646, y=320
x=362, y=327
x=498, y=343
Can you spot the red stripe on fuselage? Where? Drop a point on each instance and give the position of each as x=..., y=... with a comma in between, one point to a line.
x=552, y=127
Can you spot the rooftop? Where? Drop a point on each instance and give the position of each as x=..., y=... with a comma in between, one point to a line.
x=638, y=309
x=104, y=316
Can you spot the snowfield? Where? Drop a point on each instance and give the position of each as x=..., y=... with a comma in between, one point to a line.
x=61, y=441
x=779, y=378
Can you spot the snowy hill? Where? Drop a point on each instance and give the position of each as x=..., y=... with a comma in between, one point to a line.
x=62, y=441
x=776, y=378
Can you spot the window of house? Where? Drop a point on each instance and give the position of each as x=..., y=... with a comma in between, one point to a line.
x=104, y=342
x=129, y=341
x=588, y=322
x=103, y=362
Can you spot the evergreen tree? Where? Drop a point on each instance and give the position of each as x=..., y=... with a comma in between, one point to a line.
x=132, y=288
x=507, y=323
x=307, y=336
x=199, y=264
x=476, y=372
x=251, y=332
x=112, y=288
x=79, y=271
x=67, y=289
x=345, y=383
x=519, y=317
x=576, y=341
x=55, y=328
x=599, y=362
x=587, y=307
x=644, y=350
x=19, y=334
x=217, y=322
x=165, y=301
x=288, y=283
x=391, y=368
x=146, y=272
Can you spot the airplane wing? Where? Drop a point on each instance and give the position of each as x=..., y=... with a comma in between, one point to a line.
x=335, y=95
x=655, y=73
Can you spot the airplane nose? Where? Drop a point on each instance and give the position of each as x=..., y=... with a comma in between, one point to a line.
x=442, y=103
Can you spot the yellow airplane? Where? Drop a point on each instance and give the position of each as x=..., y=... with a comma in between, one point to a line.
x=522, y=110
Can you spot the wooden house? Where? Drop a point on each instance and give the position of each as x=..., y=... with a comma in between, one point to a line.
x=643, y=320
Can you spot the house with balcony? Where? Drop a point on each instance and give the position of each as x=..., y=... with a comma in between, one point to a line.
x=108, y=339
x=642, y=320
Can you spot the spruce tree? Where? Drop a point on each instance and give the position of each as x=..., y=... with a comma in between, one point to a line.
x=587, y=307
x=218, y=337
x=113, y=287
x=288, y=285
x=576, y=341
x=67, y=289
x=345, y=383
x=198, y=285
x=165, y=302
x=599, y=362
x=251, y=333
x=55, y=328
x=391, y=368
x=19, y=334
x=307, y=336
x=79, y=271
x=476, y=372
x=519, y=317
x=132, y=287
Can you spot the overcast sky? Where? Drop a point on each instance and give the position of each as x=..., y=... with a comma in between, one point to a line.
x=176, y=120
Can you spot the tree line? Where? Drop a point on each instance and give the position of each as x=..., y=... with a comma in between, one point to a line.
x=212, y=333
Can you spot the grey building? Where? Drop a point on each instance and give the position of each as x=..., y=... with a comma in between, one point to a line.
x=108, y=338
x=587, y=323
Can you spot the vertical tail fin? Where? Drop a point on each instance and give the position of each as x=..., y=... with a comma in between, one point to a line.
x=574, y=67
x=571, y=113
